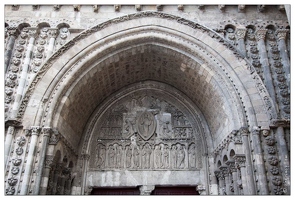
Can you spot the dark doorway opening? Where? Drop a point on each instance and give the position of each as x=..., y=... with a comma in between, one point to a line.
x=115, y=191
x=175, y=190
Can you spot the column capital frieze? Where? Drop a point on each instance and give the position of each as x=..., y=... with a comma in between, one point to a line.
x=13, y=122
x=260, y=34
x=47, y=131
x=53, y=32
x=256, y=130
x=281, y=34
x=219, y=175
x=224, y=170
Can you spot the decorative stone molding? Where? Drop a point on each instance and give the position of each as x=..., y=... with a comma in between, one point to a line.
x=244, y=131
x=12, y=181
x=47, y=131
x=21, y=141
x=240, y=160
x=224, y=170
x=33, y=33
x=256, y=130
x=146, y=189
x=53, y=33
x=281, y=8
x=260, y=34
x=85, y=156
x=219, y=175
x=36, y=7
x=201, y=189
x=14, y=7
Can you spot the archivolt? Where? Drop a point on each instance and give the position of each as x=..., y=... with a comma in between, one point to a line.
x=104, y=41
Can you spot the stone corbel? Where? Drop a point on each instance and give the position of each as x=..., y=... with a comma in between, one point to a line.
x=77, y=7
x=146, y=189
x=180, y=7
x=221, y=7
x=201, y=189
x=261, y=8
x=95, y=8
x=159, y=7
x=138, y=7
x=117, y=7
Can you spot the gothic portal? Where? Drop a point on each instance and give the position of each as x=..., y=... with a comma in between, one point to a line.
x=147, y=99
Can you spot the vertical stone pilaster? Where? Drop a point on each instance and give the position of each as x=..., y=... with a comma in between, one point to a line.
x=258, y=156
x=249, y=168
x=30, y=158
x=225, y=172
x=241, y=33
x=233, y=170
x=8, y=141
x=85, y=158
x=260, y=37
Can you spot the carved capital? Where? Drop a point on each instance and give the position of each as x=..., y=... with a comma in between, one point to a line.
x=219, y=175
x=241, y=33
x=244, y=131
x=12, y=31
x=33, y=33
x=46, y=131
x=85, y=156
x=54, y=138
x=281, y=34
x=231, y=165
x=13, y=122
x=256, y=130
x=224, y=170
x=35, y=130
x=240, y=160
x=53, y=33
x=280, y=122
x=260, y=34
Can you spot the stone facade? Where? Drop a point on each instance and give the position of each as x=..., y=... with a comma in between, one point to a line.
x=146, y=96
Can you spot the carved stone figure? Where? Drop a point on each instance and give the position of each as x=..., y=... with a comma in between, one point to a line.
x=100, y=156
x=146, y=155
x=174, y=156
x=146, y=124
x=136, y=157
x=129, y=157
x=192, y=156
x=158, y=157
x=111, y=156
x=180, y=157
x=165, y=157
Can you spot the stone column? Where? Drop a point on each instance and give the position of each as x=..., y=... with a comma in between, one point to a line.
x=52, y=141
x=46, y=173
x=12, y=32
x=241, y=33
x=220, y=178
x=30, y=158
x=7, y=145
x=53, y=35
x=284, y=157
x=240, y=162
x=258, y=156
x=233, y=170
x=260, y=37
x=249, y=168
x=25, y=69
x=56, y=177
x=281, y=37
x=225, y=172
x=46, y=134
x=85, y=158
x=146, y=189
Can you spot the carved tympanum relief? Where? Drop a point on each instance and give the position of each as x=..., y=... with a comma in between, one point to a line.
x=145, y=133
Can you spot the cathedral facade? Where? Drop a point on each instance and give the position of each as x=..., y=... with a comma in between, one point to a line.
x=147, y=99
